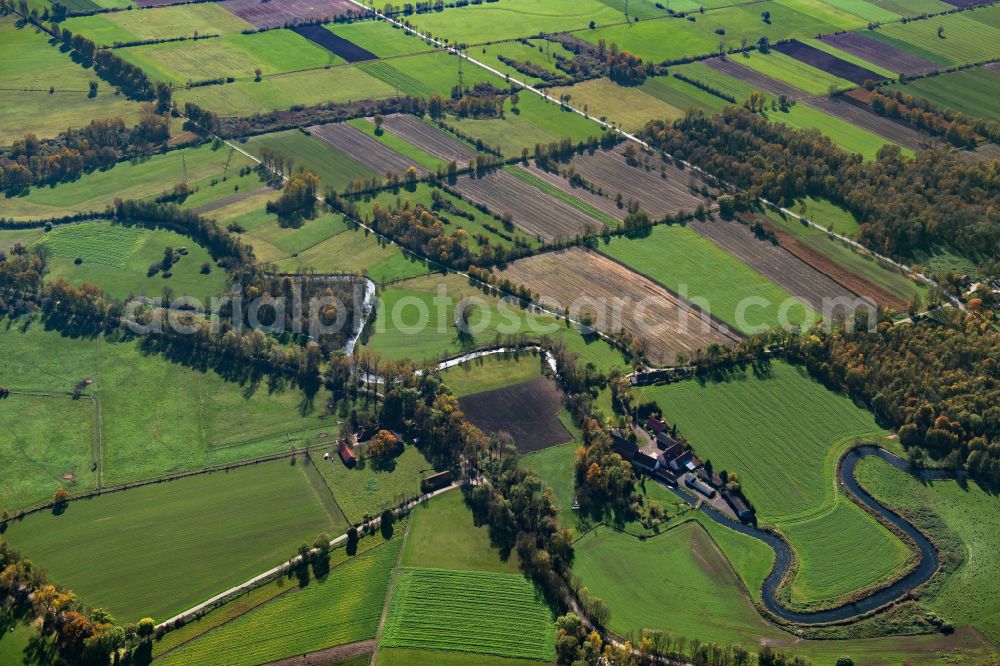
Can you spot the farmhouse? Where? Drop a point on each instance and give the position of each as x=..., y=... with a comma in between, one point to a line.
x=738, y=505
x=626, y=448
x=644, y=461
x=347, y=454
x=656, y=425
x=693, y=483
x=435, y=481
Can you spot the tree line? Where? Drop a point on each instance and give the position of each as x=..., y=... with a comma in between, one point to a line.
x=906, y=205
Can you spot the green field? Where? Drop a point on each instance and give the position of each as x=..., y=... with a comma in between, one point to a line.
x=401, y=657
x=126, y=551
x=14, y=643
x=964, y=38
x=341, y=83
x=848, y=57
x=687, y=588
x=158, y=23
x=274, y=52
x=273, y=242
x=252, y=599
x=443, y=536
x=344, y=607
x=11, y=237
x=469, y=611
x=844, y=14
x=490, y=373
x=828, y=214
x=381, y=38
x=970, y=91
x=134, y=179
x=334, y=168
x=540, y=54
x=969, y=596
x=366, y=490
x=31, y=66
x=889, y=279
x=200, y=419
x=698, y=269
x=514, y=18
x=553, y=191
x=117, y=259
x=50, y=442
x=673, y=38
x=539, y=121
x=475, y=228
x=398, y=144
x=795, y=72
x=841, y=552
x=411, y=324
x=782, y=434
x=427, y=74
x=627, y=107
x=850, y=137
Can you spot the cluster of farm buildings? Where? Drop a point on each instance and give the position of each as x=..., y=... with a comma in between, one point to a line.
x=657, y=451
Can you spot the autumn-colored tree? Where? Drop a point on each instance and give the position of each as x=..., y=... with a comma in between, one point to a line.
x=384, y=445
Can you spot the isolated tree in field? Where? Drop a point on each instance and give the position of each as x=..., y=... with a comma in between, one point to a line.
x=60, y=496
x=257, y=73
x=755, y=102
x=93, y=89
x=765, y=16
x=764, y=44
x=379, y=119
x=940, y=32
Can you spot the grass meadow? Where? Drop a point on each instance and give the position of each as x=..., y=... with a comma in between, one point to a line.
x=627, y=107
x=687, y=588
x=969, y=596
x=473, y=611
x=135, y=179
x=782, y=434
x=237, y=56
x=117, y=259
x=199, y=419
x=343, y=607
x=795, y=72
x=366, y=490
x=422, y=195
x=157, y=23
x=410, y=324
x=843, y=551
x=403, y=657
x=398, y=144
x=538, y=121
x=381, y=38
x=970, y=91
x=32, y=65
x=490, y=373
x=340, y=83
x=243, y=604
x=108, y=551
x=674, y=38
x=892, y=281
x=963, y=39
x=515, y=18
x=50, y=442
x=334, y=168
x=697, y=269
x=850, y=137
x=443, y=536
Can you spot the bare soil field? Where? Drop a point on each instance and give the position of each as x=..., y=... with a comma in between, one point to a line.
x=231, y=199
x=830, y=64
x=756, y=79
x=602, y=203
x=656, y=194
x=429, y=139
x=617, y=298
x=335, y=44
x=880, y=53
x=276, y=14
x=860, y=116
x=850, y=281
x=359, y=146
x=531, y=209
x=527, y=412
x=774, y=262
